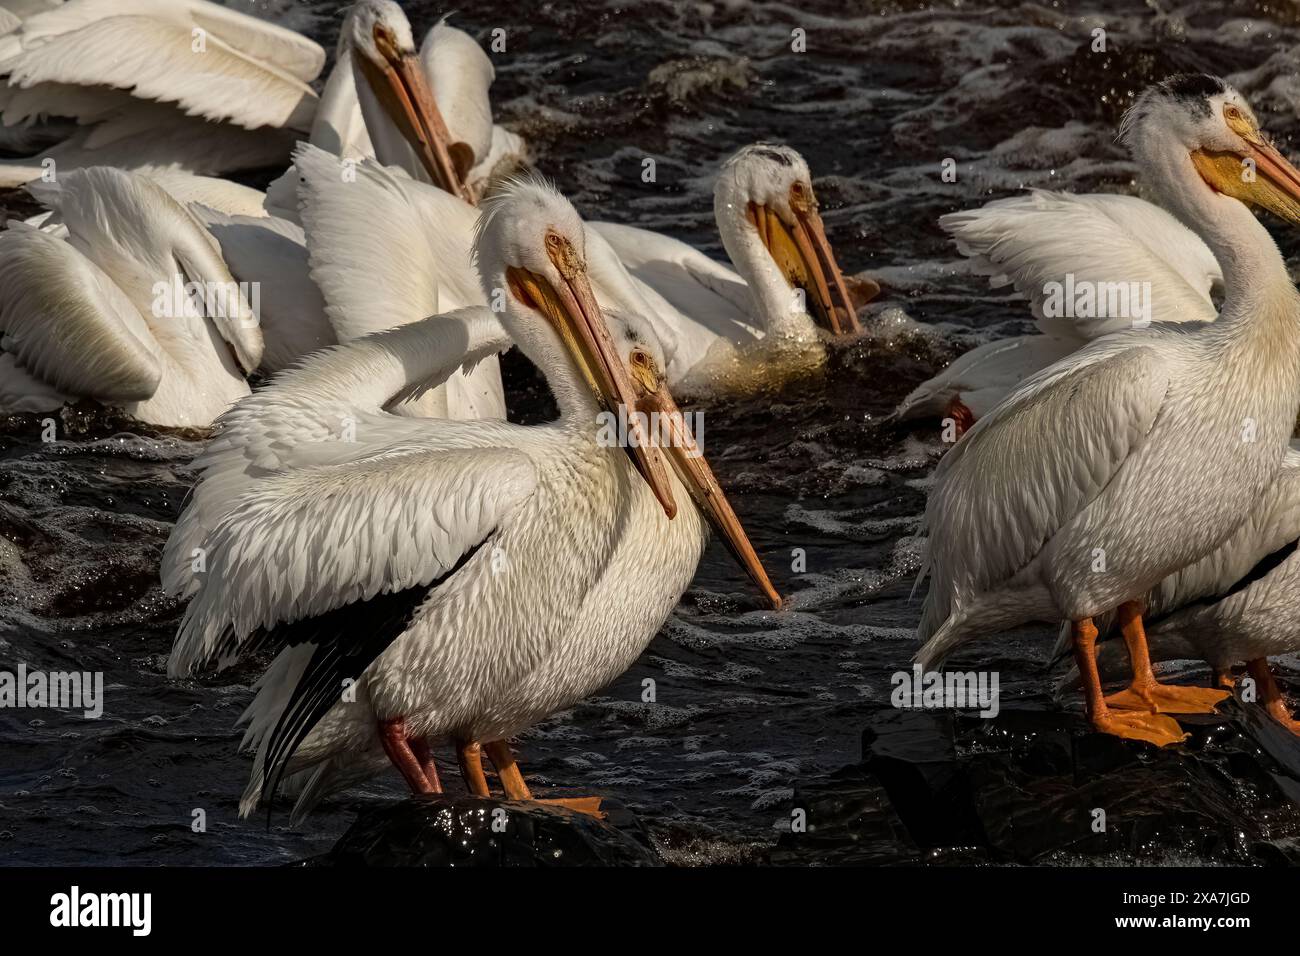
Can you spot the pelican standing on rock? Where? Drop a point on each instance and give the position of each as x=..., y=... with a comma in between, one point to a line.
x=786, y=290
x=1240, y=604
x=471, y=577
x=1070, y=499
x=135, y=308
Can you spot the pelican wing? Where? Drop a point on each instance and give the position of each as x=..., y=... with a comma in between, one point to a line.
x=272, y=253
x=1105, y=242
x=210, y=61
x=384, y=249
x=1030, y=466
x=697, y=285
x=66, y=323
x=1273, y=522
x=400, y=495
x=131, y=226
x=231, y=198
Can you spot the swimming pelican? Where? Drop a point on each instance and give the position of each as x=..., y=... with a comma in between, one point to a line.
x=427, y=112
x=1239, y=604
x=134, y=309
x=157, y=84
x=470, y=577
x=785, y=286
x=1070, y=499
x=1044, y=241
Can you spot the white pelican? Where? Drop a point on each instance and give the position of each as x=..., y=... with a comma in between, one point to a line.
x=470, y=577
x=785, y=286
x=359, y=246
x=1238, y=604
x=134, y=309
x=427, y=112
x=157, y=84
x=1033, y=243
x=1070, y=499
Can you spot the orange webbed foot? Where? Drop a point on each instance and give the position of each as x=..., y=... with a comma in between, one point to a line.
x=588, y=805
x=1153, y=728
x=1157, y=698
x=1278, y=710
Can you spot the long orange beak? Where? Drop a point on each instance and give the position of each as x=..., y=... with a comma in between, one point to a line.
x=398, y=83
x=695, y=474
x=1282, y=177
x=573, y=312
x=804, y=255
x=1274, y=184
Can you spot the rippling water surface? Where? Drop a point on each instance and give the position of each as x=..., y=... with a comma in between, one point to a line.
x=747, y=702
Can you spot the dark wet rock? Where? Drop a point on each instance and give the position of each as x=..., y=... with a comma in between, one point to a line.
x=849, y=821
x=470, y=831
x=1030, y=785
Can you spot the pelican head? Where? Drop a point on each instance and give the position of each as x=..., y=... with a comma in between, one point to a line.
x=1209, y=120
x=771, y=187
x=531, y=250
x=379, y=37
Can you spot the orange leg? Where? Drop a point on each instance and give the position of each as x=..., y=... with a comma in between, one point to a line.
x=1144, y=691
x=1223, y=679
x=392, y=734
x=471, y=768
x=512, y=781
x=1152, y=728
x=1271, y=695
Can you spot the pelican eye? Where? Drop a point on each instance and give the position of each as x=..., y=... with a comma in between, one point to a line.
x=563, y=256
x=801, y=196
x=644, y=371
x=385, y=42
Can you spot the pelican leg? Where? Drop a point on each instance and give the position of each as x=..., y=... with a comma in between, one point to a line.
x=424, y=754
x=1153, y=728
x=470, y=758
x=1271, y=695
x=512, y=781
x=1144, y=691
x=392, y=734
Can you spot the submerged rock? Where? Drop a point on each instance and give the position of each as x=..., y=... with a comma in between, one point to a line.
x=1035, y=784
x=472, y=831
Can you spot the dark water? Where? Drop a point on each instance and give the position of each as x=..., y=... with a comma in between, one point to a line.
x=748, y=703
